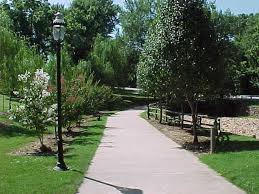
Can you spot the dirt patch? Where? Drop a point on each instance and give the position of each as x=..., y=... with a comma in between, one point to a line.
x=33, y=148
x=184, y=136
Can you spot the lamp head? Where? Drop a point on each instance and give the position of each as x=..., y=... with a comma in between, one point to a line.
x=58, y=27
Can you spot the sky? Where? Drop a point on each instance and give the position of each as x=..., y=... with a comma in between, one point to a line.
x=236, y=6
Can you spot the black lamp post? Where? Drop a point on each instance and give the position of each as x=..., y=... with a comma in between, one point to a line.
x=58, y=35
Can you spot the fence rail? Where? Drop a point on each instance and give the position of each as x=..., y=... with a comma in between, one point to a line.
x=159, y=112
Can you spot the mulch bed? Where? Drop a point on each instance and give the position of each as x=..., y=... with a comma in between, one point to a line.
x=33, y=148
x=184, y=136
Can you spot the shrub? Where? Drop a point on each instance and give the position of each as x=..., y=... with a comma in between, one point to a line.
x=36, y=109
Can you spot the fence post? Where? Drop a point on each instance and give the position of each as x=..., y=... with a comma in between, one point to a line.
x=156, y=114
x=161, y=114
x=182, y=119
x=213, y=137
x=148, y=111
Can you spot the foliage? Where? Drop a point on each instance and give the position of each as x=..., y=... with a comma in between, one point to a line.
x=73, y=100
x=15, y=56
x=32, y=20
x=82, y=95
x=86, y=19
x=226, y=30
x=249, y=46
x=36, y=109
x=136, y=18
x=108, y=62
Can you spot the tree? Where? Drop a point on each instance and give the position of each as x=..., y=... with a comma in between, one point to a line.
x=32, y=20
x=249, y=46
x=181, y=56
x=136, y=18
x=108, y=62
x=85, y=20
x=227, y=27
x=15, y=56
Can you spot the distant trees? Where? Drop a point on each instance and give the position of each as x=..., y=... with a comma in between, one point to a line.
x=136, y=18
x=15, y=56
x=248, y=42
x=85, y=20
x=108, y=61
x=32, y=20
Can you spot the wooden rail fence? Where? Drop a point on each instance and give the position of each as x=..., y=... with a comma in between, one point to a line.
x=159, y=112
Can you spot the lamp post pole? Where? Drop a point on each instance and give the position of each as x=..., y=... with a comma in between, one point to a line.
x=58, y=36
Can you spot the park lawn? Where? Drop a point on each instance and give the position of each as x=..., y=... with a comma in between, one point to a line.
x=35, y=174
x=238, y=162
x=129, y=99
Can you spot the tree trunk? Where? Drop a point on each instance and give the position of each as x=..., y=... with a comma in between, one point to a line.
x=194, y=120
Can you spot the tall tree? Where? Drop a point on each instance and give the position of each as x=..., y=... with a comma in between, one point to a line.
x=85, y=20
x=15, y=56
x=248, y=42
x=32, y=20
x=108, y=62
x=185, y=54
x=136, y=18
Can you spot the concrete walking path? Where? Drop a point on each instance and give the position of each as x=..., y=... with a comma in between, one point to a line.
x=135, y=158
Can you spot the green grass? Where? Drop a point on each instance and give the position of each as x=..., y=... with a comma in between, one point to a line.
x=130, y=99
x=35, y=174
x=238, y=161
x=143, y=115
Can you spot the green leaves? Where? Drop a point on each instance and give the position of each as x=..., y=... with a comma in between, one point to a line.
x=15, y=57
x=180, y=54
x=87, y=19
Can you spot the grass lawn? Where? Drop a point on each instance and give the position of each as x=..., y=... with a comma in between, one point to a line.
x=130, y=99
x=238, y=161
x=35, y=174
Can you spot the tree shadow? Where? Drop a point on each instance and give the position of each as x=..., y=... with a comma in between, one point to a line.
x=93, y=125
x=238, y=146
x=86, y=138
x=123, y=190
x=13, y=131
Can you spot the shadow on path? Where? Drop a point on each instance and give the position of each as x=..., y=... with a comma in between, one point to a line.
x=123, y=190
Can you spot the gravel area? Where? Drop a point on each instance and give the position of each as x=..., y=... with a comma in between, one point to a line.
x=237, y=125
x=241, y=126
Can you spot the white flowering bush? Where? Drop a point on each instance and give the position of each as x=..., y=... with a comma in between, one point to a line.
x=36, y=109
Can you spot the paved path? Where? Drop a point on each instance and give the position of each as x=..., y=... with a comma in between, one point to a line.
x=135, y=158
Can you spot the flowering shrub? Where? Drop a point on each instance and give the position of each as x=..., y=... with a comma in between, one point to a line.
x=72, y=101
x=36, y=109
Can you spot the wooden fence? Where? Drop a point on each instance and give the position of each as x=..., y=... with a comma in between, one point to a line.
x=159, y=112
